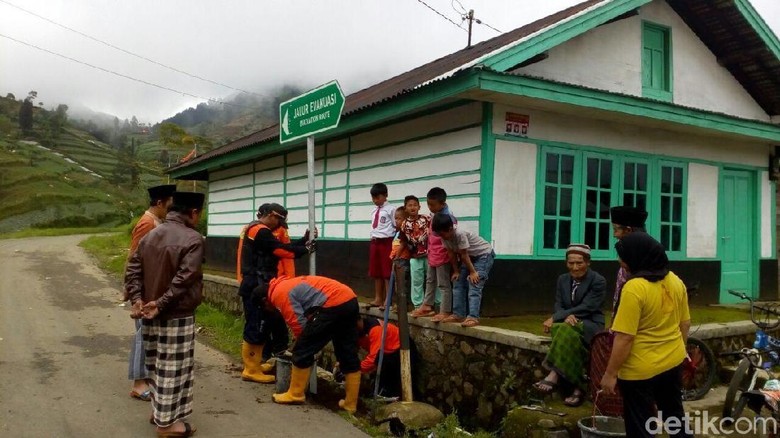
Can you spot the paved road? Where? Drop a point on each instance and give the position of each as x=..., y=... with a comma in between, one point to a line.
x=64, y=341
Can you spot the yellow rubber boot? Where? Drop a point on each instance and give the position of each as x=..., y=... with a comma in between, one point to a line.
x=296, y=395
x=266, y=367
x=252, y=355
x=352, y=388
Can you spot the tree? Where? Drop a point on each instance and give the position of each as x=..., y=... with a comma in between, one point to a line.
x=164, y=157
x=26, y=116
x=10, y=96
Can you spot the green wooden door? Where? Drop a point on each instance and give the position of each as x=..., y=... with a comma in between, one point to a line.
x=737, y=235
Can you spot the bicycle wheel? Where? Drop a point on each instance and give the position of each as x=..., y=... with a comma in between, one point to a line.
x=734, y=404
x=698, y=375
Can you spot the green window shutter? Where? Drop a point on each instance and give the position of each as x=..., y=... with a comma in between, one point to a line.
x=558, y=200
x=672, y=187
x=656, y=62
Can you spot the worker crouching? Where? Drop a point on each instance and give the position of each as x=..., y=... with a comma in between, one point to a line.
x=318, y=310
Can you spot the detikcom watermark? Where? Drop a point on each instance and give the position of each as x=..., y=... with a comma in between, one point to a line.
x=700, y=423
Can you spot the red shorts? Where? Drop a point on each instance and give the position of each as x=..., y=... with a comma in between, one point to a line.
x=379, y=262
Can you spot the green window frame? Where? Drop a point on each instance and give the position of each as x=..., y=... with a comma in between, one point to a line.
x=657, y=72
x=577, y=188
x=557, y=199
x=671, y=207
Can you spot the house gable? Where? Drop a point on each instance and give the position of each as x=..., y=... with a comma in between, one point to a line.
x=609, y=58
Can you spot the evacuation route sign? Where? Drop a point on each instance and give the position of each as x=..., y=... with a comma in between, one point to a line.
x=310, y=113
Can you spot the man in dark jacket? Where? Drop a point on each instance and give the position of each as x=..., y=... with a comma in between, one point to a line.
x=259, y=254
x=164, y=279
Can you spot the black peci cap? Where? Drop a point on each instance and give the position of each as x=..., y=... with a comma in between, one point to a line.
x=161, y=192
x=628, y=216
x=189, y=199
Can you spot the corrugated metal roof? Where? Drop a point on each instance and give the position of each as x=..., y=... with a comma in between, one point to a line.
x=398, y=85
x=718, y=23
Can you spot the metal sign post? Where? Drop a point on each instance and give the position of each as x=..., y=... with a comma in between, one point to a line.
x=312, y=225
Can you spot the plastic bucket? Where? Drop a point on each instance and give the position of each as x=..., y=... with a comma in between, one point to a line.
x=604, y=426
x=283, y=374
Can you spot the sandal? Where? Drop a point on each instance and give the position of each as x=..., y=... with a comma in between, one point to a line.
x=538, y=386
x=470, y=322
x=577, y=399
x=188, y=431
x=440, y=317
x=453, y=318
x=143, y=396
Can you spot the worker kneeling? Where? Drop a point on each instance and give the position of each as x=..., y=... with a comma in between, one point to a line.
x=318, y=310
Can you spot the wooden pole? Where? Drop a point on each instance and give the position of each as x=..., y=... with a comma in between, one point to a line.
x=403, y=328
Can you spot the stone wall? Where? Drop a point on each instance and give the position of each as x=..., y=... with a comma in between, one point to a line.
x=480, y=372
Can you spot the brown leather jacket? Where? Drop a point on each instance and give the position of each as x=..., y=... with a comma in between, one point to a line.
x=167, y=267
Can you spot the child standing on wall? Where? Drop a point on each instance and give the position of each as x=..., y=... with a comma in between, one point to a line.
x=472, y=259
x=400, y=254
x=415, y=230
x=382, y=232
x=438, y=287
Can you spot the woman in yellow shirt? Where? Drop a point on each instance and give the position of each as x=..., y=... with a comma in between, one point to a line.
x=651, y=328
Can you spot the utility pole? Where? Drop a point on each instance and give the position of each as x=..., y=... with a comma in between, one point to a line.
x=470, y=17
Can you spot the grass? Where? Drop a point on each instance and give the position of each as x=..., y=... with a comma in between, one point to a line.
x=110, y=250
x=532, y=322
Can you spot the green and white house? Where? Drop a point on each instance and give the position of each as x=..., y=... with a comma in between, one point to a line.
x=673, y=105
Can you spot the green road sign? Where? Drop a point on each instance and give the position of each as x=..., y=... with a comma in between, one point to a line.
x=310, y=113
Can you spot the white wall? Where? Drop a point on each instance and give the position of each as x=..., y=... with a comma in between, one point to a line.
x=767, y=230
x=609, y=58
x=410, y=157
x=514, y=183
x=589, y=132
x=702, y=207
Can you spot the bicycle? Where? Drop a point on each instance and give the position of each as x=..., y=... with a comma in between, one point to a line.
x=700, y=368
x=742, y=387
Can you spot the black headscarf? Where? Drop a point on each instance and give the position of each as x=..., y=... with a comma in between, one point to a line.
x=645, y=256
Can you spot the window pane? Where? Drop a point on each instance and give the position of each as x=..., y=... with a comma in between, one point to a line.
x=641, y=177
x=665, y=207
x=552, y=168
x=628, y=199
x=550, y=201
x=628, y=179
x=606, y=174
x=566, y=200
x=678, y=180
x=564, y=234
x=591, y=204
x=549, y=234
x=604, y=205
x=665, y=236
x=676, y=238
x=593, y=172
x=666, y=179
x=590, y=234
x=567, y=169
x=677, y=210
x=641, y=202
x=604, y=235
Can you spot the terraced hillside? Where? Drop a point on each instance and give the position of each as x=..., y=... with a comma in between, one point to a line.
x=66, y=184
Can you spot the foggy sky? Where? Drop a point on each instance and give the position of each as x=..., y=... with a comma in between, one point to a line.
x=250, y=45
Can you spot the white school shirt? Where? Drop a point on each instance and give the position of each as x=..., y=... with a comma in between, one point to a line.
x=385, y=226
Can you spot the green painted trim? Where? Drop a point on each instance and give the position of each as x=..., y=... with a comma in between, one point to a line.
x=296, y=178
x=231, y=188
x=324, y=184
x=558, y=34
x=234, y=176
x=637, y=106
x=417, y=159
x=487, y=173
x=420, y=178
x=773, y=216
x=759, y=25
x=232, y=200
x=419, y=138
x=653, y=93
x=638, y=155
x=655, y=193
x=346, y=204
x=415, y=100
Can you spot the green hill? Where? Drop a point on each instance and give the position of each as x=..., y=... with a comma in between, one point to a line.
x=59, y=176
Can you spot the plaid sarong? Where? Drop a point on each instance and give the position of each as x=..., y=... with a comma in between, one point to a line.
x=170, y=360
x=567, y=354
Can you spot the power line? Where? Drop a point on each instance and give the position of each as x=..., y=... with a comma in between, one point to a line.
x=437, y=12
x=126, y=76
x=478, y=21
x=129, y=52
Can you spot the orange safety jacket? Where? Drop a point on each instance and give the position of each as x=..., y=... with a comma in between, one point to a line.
x=371, y=341
x=286, y=264
x=246, y=257
x=296, y=298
